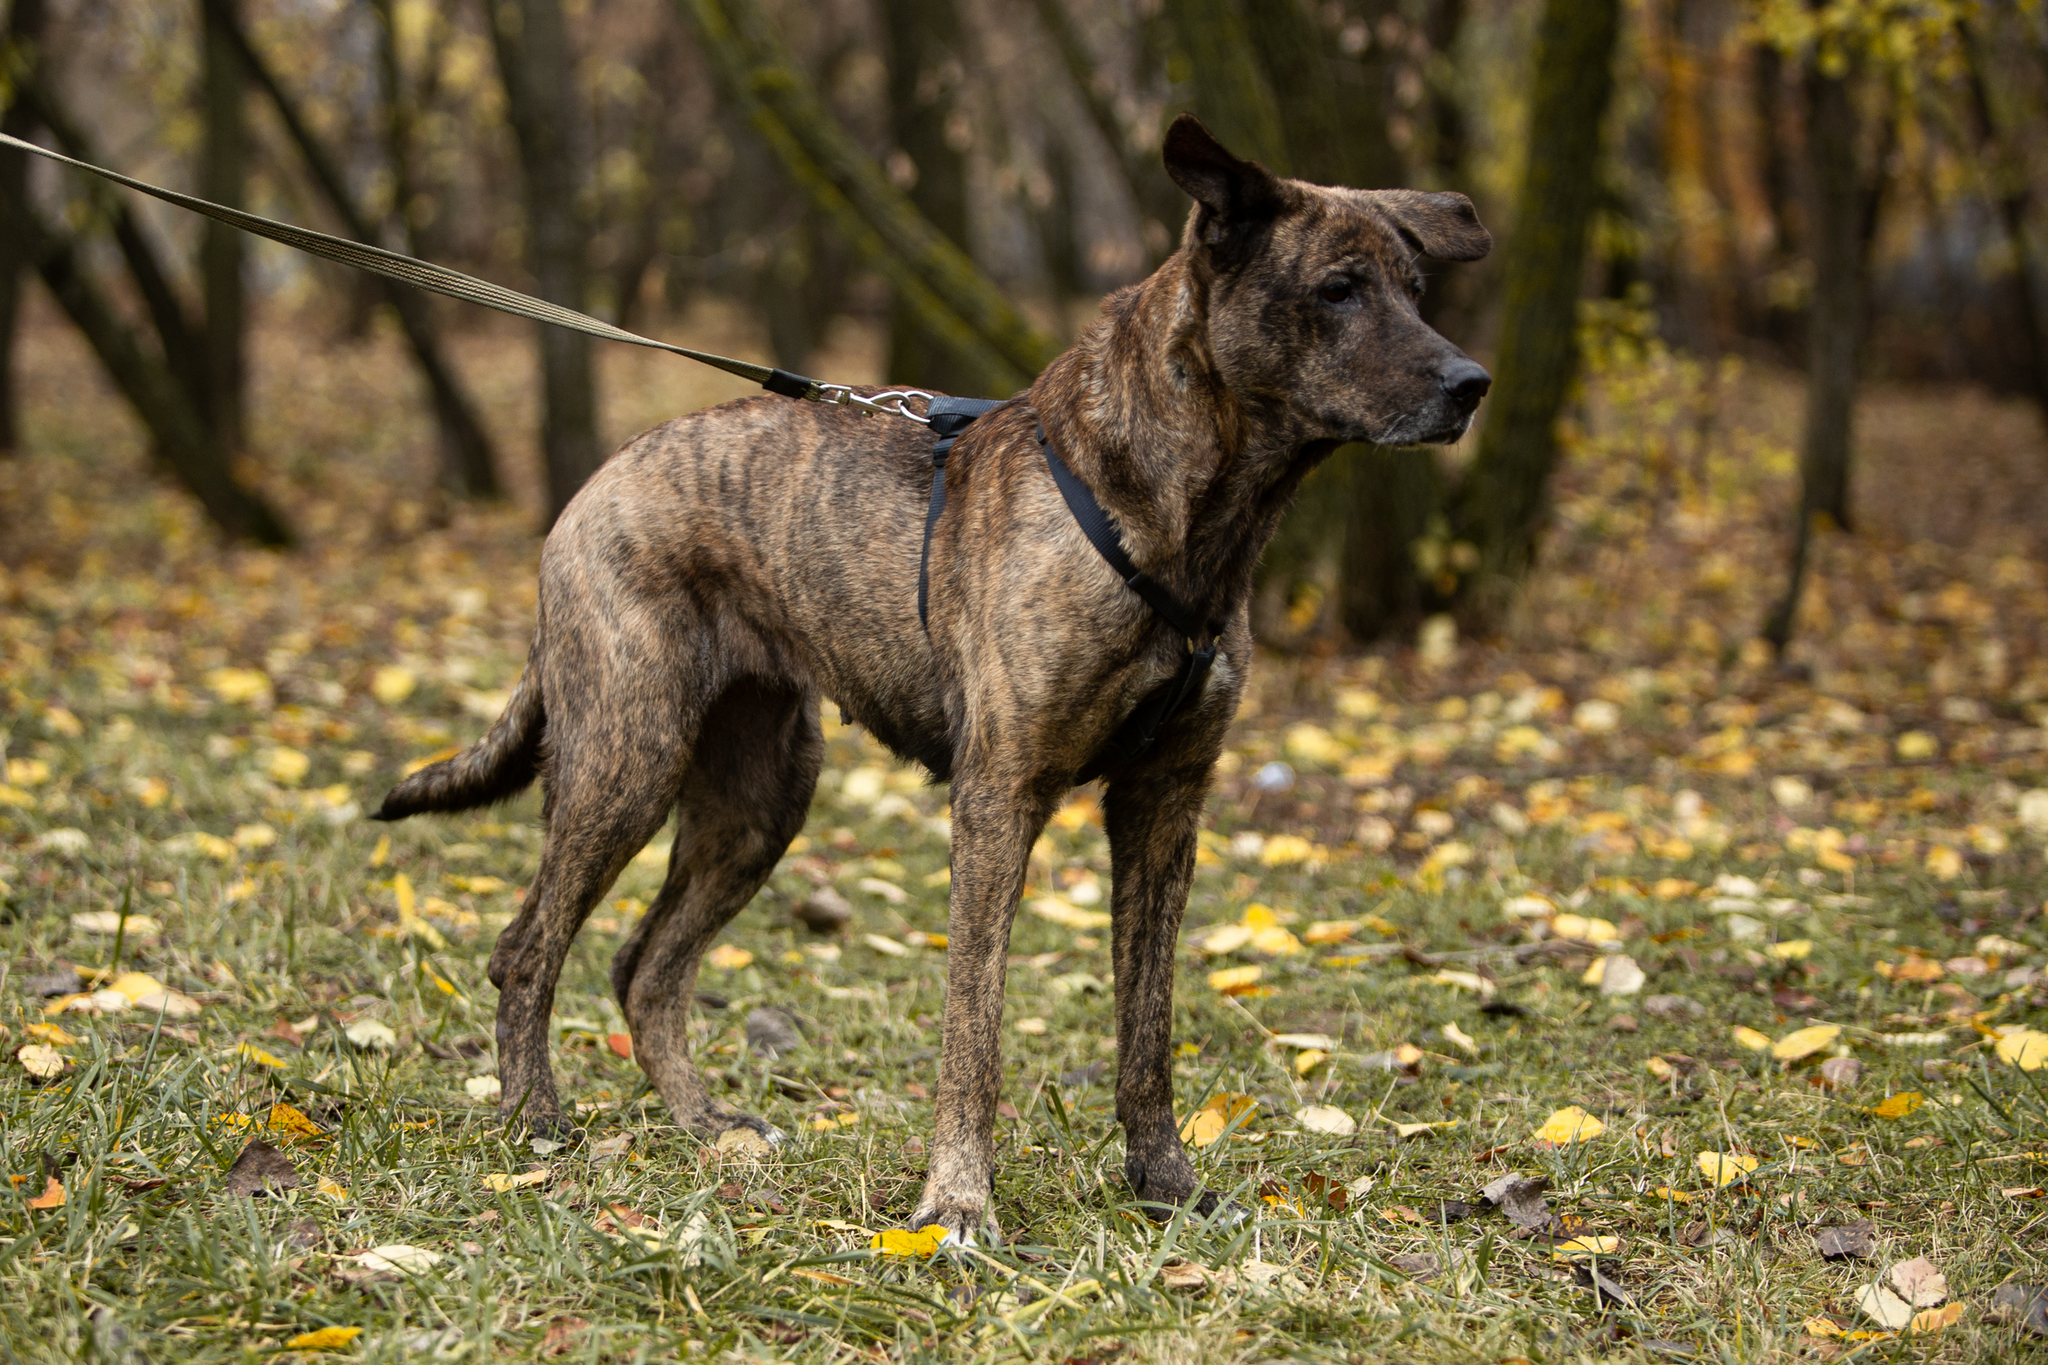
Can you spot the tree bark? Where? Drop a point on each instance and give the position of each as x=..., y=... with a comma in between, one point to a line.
x=537, y=67
x=1503, y=496
x=1332, y=121
x=223, y=177
x=1840, y=223
x=182, y=436
x=931, y=274
x=926, y=67
x=2015, y=207
x=467, y=462
x=1232, y=95
x=18, y=52
x=1157, y=197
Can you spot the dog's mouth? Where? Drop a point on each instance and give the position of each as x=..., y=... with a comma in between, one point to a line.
x=1426, y=429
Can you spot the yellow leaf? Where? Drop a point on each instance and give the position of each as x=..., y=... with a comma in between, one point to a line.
x=1944, y=862
x=1235, y=980
x=1208, y=1123
x=1464, y=981
x=331, y=1190
x=326, y=1339
x=1753, y=1040
x=291, y=1122
x=41, y=1062
x=2026, y=1049
x=1935, y=1319
x=1570, y=1124
x=51, y=1034
x=1410, y=1130
x=1805, y=1042
x=250, y=1052
x=381, y=854
x=1283, y=849
x=1899, y=1105
x=1791, y=950
x=1660, y=1068
x=500, y=1182
x=1675, y=1196
x=238, y=686
x=1585, y=929
x=1915, y=745
x=926, y=1241
x=1066, y=915
x=1725, y=1168
x=287, y=767
x=727, y=958
x=52, y=1196
x=392, y=684
x=1585, y=1246
x=1824, y=1327
x=1309, y=1059
x=1330, y=931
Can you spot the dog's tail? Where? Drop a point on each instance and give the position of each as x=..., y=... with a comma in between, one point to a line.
x=500, y=765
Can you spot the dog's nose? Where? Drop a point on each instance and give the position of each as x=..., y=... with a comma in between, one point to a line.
x=1466, y=381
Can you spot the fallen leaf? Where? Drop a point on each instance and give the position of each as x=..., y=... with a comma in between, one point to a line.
x=398, y=1259
x=822, y=1276
x=1235, y=980
x=621, y=1044
x=1308, y=1059
x=1458, y=1037
x=1753, y=1040
x=291, y=1123
x=2026, y=1049
x=1415, y=1130
x=40, y=1061
x=371, y=1035
x=1725, y=1168
x=1327, y=1119
x=1899, y=1105
x=926, y=1241
x=51, y=1034
x=1802, y=1043
x=1521, y=1199
x=1622, y=976
x=260, y=1170
x=483, y=1087
x=1419, y=1265
x=1840, y=1072
x=500, y=1182
x=251, y=1053
x=108, y=923
x=1851, y=1241
x=1918, y=1283
x=331, y=1190
x=1585, y=1246
x=1675, y=1196
x=1322, y=1042
x=728, y=958
x=1570, y=1124
x=52, y=1196
x=742, y=1142
x=325, y=1339
x=1208, y=1123
x=1066, y=915
x=2024, y=1304
x=1883, y=1307
x=1935, y=1319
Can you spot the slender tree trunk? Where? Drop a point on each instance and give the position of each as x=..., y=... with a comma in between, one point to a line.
x=183, y=438
x=1502, y=499
x=467, y=462
x=1840, y=225
x=1232, y=95
x=926, y=68
x=18, y=44
x=1446, y=303
x=2015, y=208
x=537, y=67
x=1159, y=200
x=223, y=177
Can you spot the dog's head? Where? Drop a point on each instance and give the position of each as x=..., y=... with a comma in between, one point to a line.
x=1311, y=295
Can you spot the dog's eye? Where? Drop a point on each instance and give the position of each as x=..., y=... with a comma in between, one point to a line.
x=1337, y=291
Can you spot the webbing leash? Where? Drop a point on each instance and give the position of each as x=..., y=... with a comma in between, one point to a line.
x=440, y=279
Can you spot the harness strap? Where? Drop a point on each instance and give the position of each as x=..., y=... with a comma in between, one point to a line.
x=948, y=418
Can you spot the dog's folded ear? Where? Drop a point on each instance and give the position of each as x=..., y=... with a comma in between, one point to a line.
x=1234, y=193
x=1444, y=227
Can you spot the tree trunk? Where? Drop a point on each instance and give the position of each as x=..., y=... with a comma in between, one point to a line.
x=18, y=44
x=956, y=299
x=183, y=438
x=2015, y=207
x=467, y=462
x=1232, y=95
x=1447, y=304
x=1502, y=499
x=1840, y=222
x=537, y=67
x=926, y=68
x=223, y=176
x=1160, y=202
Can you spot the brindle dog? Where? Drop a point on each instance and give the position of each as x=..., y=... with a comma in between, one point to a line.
x=724, y=571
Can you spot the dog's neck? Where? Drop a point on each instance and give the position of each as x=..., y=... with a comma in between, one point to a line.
x=1195, y=473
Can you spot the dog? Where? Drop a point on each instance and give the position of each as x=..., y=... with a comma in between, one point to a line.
x=723, y=572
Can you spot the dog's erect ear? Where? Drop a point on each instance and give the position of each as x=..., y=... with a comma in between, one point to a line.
x=1232, y=189
x=1444, y=227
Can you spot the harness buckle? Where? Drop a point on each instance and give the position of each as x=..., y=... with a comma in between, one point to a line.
x=893, y=402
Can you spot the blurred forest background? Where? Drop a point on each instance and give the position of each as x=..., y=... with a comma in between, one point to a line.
x=1766, y=315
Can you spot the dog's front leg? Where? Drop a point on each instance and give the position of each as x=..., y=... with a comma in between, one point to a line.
x=1151, y=818
x=994, y=824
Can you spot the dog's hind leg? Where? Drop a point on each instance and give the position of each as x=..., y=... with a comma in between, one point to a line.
x=607, y=793
x=1151, y=817
x=744, y=797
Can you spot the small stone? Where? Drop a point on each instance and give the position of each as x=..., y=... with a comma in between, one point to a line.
x=824, y=911
x=1674, y=1007
x=772, y=1032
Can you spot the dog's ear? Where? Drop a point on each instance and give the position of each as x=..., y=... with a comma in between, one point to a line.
x=1234, y=193
x=1444, y=227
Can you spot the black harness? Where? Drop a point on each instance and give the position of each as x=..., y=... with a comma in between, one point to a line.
x=950, y=418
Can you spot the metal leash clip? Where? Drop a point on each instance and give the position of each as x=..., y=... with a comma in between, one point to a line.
x=894, y=402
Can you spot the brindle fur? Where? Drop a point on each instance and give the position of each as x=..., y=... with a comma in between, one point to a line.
x=724, y=571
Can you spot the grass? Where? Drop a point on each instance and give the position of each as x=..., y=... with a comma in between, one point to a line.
x=156, y=688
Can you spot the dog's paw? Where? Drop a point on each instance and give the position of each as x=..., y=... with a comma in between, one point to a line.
x=717, y=1123
x=966, y=1228
x=544, y=1127
x=1164, y=1188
